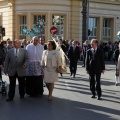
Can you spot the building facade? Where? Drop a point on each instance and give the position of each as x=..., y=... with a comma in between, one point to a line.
x=104, y=18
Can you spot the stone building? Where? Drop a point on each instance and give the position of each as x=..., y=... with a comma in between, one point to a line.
x=104, y=18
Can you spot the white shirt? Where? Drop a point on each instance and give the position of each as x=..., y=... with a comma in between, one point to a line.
x=93, y=50
x=16, y=52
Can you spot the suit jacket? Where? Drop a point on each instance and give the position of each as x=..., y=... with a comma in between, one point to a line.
x=15, y=64
x=74, y=55
x=95, y=63
x=85, y=48
x=63, y=48
x=116, y=55
x=2, y=55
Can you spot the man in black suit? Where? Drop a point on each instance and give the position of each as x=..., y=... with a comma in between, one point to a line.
x=42, y=42
x=86, y=46
x=116, y=55
x=2, y=57
x=63, y=47
x=24, y=43
x=74, y=56
x=95, y=65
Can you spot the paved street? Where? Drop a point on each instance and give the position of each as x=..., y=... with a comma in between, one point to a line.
x=71, y=101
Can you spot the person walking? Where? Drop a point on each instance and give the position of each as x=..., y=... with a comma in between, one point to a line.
x=95, y=65
x=2, y=58
x=51, y=61
x=117, y=61
x=74, y=56
x=16, y=62
x=86, y=46
x=34, y=81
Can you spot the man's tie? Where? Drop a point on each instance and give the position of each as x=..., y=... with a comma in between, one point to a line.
x=74, y=49
x=94, y=51
x=16, y=53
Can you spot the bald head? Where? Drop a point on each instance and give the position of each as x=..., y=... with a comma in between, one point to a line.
x=17, y=43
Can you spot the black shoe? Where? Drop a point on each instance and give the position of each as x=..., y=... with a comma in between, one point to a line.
x=9, y=99
x=83, y=65
x=116, y=84
x=99, y=98
x=61, y=74
x=71, y=74
x=93, y=96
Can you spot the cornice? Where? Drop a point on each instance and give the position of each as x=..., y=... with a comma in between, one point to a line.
x=113, y=2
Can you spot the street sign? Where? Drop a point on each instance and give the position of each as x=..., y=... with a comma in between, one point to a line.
x=53, y=30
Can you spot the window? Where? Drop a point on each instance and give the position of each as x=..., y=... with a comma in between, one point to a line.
x=58, y=22
x=93, y=28
x=106, y=29
x=22, y=26
x=35, y=19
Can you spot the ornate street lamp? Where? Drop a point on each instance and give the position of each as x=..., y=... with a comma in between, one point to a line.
x=85, y=19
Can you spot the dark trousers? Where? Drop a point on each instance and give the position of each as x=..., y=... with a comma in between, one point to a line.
x=34, y=85
x=84, y=57
x=73, y=66
x=12, y=85
x=0, y=73
x=95, y=83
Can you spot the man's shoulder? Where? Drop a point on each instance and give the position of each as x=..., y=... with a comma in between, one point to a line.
x=117, y=50
x=89, y=50
x=23, y=49
x=10, y=50
x=99, y=49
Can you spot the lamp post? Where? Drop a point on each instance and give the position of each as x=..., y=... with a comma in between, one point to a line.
x=85, y=19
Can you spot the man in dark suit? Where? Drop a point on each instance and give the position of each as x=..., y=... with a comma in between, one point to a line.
x=74, y=56
x=15, y=63
x=86, y=46
x=63, y=47
x=2, y=57
x=24, y=43
x=116, y=55
x=95, y=65
x=42, y=42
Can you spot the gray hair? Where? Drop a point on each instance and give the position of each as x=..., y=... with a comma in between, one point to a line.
x=34, y=38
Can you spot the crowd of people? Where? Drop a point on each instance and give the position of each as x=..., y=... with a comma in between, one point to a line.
x=35, y=63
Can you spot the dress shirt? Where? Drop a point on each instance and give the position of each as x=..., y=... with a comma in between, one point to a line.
x=16, y=51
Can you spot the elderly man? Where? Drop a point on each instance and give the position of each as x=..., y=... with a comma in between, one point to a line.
x=34, y=82
x=95, y=65
x=15, y=63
